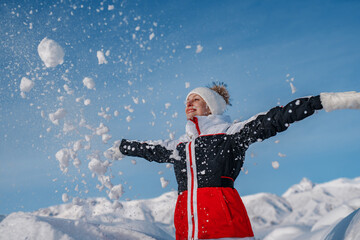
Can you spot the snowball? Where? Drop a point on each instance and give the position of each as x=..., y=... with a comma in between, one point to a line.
x=163, y=182
x=281, y=154
x=89, y=83
x=26, y=84
x=56, y=116
x=133, y=161
x=275, y=164
x=199, y=48
x=167, y=105
x=187, y=85
x=111, y=7
x=51, y=53
x=101, y=57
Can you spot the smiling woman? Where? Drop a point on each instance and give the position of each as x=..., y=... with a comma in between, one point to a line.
x=208, y=158
x=196, y=106
x=204, y=101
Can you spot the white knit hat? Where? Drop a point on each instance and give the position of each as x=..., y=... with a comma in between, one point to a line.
x=215, y=101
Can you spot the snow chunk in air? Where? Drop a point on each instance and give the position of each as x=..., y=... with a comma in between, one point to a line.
x=89, y=83
x=199, y=48
x=164, y=182
x=51, y=53
x=116, y=192
x=63, y=156
x=275, y=164
x=56, y=116
x=26, y=84
x=98, y=167
x=101, y=57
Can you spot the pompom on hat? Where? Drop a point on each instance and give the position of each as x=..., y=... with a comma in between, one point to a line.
x=215, y=101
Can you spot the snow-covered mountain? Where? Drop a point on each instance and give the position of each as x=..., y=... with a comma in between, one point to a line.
x=305, y=211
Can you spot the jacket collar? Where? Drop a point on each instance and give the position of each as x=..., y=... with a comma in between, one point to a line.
x=207, y=125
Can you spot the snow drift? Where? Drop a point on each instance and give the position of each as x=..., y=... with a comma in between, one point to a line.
x=305, y=211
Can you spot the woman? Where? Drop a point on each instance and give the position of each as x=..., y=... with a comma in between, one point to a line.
x=209, y=157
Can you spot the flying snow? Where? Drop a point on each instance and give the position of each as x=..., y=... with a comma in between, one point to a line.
x=89, y=83
x=26, y=84
x=293, y=89
x=65, y=197
x=51, y=53
x=275, y=164
x=199, y=48
x=56, y=116
x=101, y=57
x=98, y=167
x=152, y=35
x=167, y=105
x=116, y=192
x=63, y=156
x=163, y=182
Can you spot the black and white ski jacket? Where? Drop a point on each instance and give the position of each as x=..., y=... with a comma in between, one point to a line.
x=208, y=159
x=218, y=144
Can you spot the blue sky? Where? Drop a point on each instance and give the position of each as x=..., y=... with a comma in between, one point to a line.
x=256, y=47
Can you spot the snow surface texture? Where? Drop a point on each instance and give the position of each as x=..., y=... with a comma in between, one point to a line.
x=305, y=211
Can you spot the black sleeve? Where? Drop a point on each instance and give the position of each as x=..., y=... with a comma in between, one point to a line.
x=151, y=152
x=278, y=119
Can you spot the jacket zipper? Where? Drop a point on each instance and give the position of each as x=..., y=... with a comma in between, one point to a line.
x=192, y=193
x=192, y=199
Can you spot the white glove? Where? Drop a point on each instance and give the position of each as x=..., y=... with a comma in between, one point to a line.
x=114, y=153
x=340, y=100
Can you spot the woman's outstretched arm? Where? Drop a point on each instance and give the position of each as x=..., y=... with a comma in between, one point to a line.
x=158, y=151
x=278, y=119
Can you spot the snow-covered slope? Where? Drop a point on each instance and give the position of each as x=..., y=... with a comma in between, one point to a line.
x=305, y=211
x=314, y=209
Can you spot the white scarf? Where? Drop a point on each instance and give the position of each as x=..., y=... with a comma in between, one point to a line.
x=208, y=125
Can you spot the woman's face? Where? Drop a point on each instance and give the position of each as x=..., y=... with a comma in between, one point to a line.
x=196, y=106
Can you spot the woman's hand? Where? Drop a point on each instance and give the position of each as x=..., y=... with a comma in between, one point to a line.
x=340, y=100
